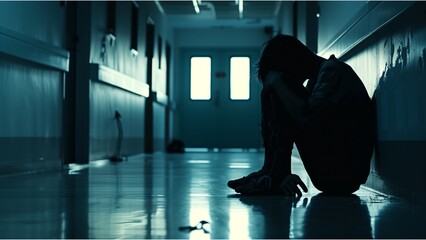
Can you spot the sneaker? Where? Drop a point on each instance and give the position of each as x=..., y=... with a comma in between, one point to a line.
x=257, y=186
x=244, y=180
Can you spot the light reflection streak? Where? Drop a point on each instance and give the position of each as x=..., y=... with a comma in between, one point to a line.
x=296, y=220
x=199, y=210
x=375, y=209
x=240, y=165
x=199, y=161
x=199, y=195
x=238, y=223
x=74, y=169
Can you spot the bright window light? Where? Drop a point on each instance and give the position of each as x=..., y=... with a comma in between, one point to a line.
x=200, y=78
x=240, y=78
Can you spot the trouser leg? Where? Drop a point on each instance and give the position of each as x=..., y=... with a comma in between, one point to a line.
x=266, y=111
x=329, y=166
x=280, y=138
x=326, y=167
x=278, y=147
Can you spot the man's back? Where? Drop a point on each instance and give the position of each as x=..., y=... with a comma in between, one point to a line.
x=344, y=120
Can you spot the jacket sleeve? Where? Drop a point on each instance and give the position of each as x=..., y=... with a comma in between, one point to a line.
x=329, y=93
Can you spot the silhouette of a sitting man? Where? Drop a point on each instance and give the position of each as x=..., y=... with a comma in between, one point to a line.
x=330, y=121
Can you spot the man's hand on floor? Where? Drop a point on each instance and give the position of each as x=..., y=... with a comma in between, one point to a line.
x=290, y=185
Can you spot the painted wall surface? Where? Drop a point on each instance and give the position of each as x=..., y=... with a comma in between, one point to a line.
x=219, y=38
x=44, y=21
x=106, y=99
x=117, y=54
x=163, y=36
x=387, y=49
x=149, y=10
x=31, y=94
x=335, y=18
x=284, y=24
x=159, y=74
x=159, y=127
x=299, y=19
x=30, y=134
x=393, y=63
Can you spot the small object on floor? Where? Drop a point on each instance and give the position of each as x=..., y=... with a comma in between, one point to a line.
x=176, y=146
x=199, y=226
x=117, y=159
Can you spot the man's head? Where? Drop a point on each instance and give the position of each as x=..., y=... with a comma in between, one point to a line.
x=286, y=54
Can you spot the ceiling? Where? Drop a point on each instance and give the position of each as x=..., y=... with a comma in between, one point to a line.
x=223, y=14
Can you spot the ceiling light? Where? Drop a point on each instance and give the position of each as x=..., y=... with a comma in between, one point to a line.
x=240, y=8
x=196, y=7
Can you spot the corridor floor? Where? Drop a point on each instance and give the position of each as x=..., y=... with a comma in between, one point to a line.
x=164, y=195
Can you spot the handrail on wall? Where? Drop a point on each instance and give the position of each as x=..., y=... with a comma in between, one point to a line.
x=117, y=79
x=363, y=27
x=27, y=48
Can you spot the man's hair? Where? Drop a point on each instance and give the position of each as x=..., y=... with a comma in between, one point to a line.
x=281, y=48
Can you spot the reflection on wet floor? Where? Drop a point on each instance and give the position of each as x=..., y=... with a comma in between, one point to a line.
x=185, y=196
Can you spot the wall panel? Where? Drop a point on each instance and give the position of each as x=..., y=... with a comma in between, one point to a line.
x=32, y=66
x=104, y=101
x=30, y=132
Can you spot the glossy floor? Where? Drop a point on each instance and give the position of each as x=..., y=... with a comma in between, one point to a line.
x=163, y=196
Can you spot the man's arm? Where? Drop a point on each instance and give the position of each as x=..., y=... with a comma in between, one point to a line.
x=294, y=103
x=316, y=109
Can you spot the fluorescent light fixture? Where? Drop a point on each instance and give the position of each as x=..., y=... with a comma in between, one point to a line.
x=160, y=8
x=240, y=7
x=196, y=8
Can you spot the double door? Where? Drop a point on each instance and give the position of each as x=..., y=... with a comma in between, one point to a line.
x=220, y=102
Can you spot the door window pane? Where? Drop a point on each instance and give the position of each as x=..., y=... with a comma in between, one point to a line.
x=240, y=78
x=200, y=78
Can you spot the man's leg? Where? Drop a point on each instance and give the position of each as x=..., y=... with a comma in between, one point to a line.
x=282, y=140
x=266, y=111
x=328, y=162
x=278, y=139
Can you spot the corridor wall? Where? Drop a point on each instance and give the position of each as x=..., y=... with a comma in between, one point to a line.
x=118, y=79
x=33, y=60
x=385, y=45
